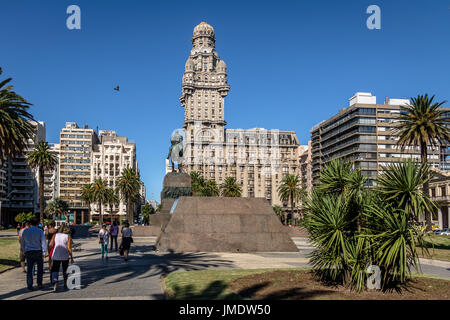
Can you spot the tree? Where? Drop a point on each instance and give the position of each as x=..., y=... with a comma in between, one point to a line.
x=100, y=195
x=15, y=121
x=56, y=208
x=401, y=184
x=290, y=191
x=230, y=188
x=210, y=189
x=129, y=185
x=279, y=212
x=87, y=195
x=197, y=183
x=147, y=210
x=41, y=158
x=423, y=124
x=23, y=217
x=112, y=198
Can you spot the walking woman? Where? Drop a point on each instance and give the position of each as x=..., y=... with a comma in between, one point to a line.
x=103, y=237
x=62, y=251
x=127, y=240
x=49, y=233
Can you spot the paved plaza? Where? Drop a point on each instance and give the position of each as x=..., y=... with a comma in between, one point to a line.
x=140, y=277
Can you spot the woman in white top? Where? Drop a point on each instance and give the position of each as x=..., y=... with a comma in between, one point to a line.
x=61, y=252
x=103, y=237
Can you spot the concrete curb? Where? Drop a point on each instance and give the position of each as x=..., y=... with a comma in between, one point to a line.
x=7, y=269
x=437, y=263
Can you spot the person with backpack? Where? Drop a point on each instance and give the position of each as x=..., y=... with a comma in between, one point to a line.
x=61, y=244
x=103, y=237
x=114, y=232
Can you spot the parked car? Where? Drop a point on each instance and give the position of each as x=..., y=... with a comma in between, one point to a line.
x=445, y=232
x=437, y=231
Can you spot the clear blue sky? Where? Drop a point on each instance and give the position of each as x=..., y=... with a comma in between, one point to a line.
x=291, y=64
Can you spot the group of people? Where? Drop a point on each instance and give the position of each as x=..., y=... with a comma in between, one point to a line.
x=106, y=235
x=36, y=243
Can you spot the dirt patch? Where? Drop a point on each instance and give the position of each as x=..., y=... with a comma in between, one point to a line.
x=300, y=285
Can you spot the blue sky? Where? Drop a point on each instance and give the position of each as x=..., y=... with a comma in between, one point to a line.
x=291, y=64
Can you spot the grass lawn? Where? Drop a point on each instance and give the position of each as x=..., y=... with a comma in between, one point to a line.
x=9, y=253
x=441, y=250
x=9, y=230
x=287, y=284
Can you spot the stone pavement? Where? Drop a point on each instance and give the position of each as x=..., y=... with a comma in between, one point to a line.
x=140, y=277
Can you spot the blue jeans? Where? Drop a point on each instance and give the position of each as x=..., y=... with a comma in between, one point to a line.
x=34, y=257
x=104, y=248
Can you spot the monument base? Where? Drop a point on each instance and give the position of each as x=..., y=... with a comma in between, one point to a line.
x=221, y=224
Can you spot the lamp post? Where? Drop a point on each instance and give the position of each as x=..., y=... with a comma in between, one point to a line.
x=1, y=201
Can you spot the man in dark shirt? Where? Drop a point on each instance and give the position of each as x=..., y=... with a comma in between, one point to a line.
x=34, y=246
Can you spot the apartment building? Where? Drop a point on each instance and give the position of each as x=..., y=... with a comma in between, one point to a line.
x=22, y=191
x=111, y=156
x=257, y=158
x=76, y=151
x=362, y=133
x=306, y=166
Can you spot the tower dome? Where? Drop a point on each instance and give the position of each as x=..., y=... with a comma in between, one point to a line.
x=203, y=30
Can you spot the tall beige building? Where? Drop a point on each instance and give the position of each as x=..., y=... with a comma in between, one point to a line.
x=111, y=156
x=257, y=158
x=76, y=148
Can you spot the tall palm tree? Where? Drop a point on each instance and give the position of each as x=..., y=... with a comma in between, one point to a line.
x=423, y=124
x=210, y=189
x=56, y=208
x=230, y=188
x=41, y=158
x=112, y=199
x=128, y=186
x=87, y=195
x=15, y=125
x=197, y=183
x=290, y=191
x=100, y=195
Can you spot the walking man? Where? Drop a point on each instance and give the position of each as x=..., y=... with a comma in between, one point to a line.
x=114, y=232
x=34, y=245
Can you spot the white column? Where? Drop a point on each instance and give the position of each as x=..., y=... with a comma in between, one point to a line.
x=441, y=222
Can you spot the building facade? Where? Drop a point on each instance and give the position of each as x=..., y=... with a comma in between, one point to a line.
x=257, y=158
x=111, y=156
x=362, y=133
x=76, y=149
x=440, y=194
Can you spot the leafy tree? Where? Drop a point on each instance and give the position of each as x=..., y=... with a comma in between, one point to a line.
x=56, y=208
x=290, y=191
x=230, y=188
x=147, y=210
x=279, y=212
x=129, y=186
x=15, y=121
x=210, y=189
x=23, y=217
x=198, y=183
x=423, y=124
x=41, y=158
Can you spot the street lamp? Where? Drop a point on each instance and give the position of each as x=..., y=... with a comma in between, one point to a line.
x=1, y=201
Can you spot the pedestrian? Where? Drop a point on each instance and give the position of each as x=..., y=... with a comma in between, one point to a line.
x=127, y=240
x=114, y=232
x=34, y=246
x=51, y=231
x=103, y=236
x=62, y=251
x=18, y=228
x=24, y=226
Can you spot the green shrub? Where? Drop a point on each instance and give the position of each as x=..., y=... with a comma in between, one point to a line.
x=23, y=217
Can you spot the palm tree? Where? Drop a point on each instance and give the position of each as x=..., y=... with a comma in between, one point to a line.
x=100, y=194
x=401, y=183
x=230, y=188
x=87, y=195
x=41, y=158
x=112, y=199
x=423, y=124
x=15, y=125
x=290, y=191
x=56, y=208
x=128, y=186
x=210, y=189
x=197, y=183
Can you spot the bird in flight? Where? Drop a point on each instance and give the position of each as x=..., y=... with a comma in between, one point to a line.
x=116, y=88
